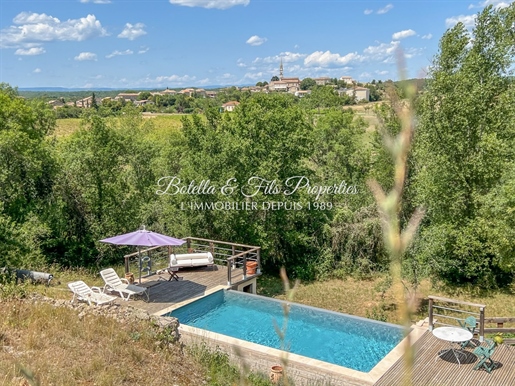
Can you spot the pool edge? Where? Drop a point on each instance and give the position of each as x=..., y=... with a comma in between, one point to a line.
x=243, y=351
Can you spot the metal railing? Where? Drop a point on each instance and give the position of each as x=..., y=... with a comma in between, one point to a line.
x=499, y=321
x=232, y=255
x=447, y=313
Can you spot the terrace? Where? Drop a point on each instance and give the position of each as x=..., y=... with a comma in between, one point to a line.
x=230, y=271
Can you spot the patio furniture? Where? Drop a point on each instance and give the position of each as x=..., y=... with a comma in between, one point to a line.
x=452, y=335
x=172, y=271
x=191, y=260
x=114, y=283
x=470, y=324
x=484, y=354
x=83, y=292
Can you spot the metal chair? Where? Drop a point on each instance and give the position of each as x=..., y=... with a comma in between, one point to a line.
x=484, y=354
x=470, y=324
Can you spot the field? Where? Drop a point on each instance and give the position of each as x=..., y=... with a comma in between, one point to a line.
x=165, y=123
x=373, y=299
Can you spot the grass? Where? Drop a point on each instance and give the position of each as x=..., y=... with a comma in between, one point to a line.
x=65, y=127
x=61, y=348
x=366, y=297
x=163, y=124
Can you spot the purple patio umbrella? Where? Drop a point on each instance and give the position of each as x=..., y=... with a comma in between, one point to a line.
x=143, y=238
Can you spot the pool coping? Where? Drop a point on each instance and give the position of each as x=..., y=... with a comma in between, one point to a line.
x=299, y=361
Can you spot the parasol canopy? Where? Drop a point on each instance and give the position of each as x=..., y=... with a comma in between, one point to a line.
x=143, y=238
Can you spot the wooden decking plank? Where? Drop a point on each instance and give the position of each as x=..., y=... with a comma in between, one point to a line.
x=429, y=370
x=192, y=283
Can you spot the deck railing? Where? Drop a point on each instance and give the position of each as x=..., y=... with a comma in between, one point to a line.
x=232, y=255
x=499, y=321
x=449, y=314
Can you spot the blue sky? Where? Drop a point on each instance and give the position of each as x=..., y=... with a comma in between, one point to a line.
x=181, y=43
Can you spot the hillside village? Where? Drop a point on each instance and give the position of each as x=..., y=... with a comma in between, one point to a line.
x=283, y=84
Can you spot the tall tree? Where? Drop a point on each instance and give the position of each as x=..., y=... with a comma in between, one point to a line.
x=26, y=176
x=464, y=143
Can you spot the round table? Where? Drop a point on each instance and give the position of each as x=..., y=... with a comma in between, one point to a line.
x=452, y=335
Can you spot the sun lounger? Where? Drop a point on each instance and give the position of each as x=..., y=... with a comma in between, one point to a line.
x=83, y=292
x=122, y=286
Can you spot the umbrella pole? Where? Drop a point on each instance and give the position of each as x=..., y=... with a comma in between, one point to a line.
x=139, y=258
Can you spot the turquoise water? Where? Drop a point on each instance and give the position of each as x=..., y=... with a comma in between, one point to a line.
x=341, y=339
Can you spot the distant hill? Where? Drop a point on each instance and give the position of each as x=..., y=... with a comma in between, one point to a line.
x=65, y=89
x=79, y=89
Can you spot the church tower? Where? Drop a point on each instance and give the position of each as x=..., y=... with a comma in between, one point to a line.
x=281, y=69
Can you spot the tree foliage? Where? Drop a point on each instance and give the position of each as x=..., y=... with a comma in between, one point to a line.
x=464, y=145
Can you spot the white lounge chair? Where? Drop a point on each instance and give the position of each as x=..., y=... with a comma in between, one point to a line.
x=83, y=292
x=122, y=286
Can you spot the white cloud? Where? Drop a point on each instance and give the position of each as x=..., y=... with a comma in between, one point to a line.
x=427, y=37
x=384, y=9
x=403, y=34
x=496, y=3
x=240, y=63
x=132, y=32
x=255, y=40
x=175, y=79
x=219, y=4
x=257, y=76
x=286, y=57
x=30, y=51
x=467, y=20
x=119, y=53
x=382, y=51
x=328, y=59
x=96, y=1
x=383, y=72
x=34, y=18
x=142, y=50
x=368, y=11
x=37, y=71
x=33, y=28
x=85, y=56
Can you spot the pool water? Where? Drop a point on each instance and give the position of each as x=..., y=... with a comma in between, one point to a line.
x=340, y=339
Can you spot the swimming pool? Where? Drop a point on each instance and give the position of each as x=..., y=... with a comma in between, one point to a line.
x=344, y=340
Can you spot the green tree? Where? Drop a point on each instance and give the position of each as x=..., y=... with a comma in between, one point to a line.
x=463, y=146
x=307, y=84
x=267, y=137
x=275, y=78
x=144, y=95
x=26, y=176
x=105, y=180
x=321, y=97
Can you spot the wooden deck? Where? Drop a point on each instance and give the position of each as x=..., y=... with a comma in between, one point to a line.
x=192, y=283
x=431, y=370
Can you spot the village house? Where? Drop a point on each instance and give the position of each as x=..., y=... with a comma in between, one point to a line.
x=187, y=92
x=56, y=103
x=302, y=93
x=284, y=84
x=127, y=97
x=168, y=92
x=230, y=106
x=322, y=81
x=360, y=93
x=85, y=103
x=347, y=79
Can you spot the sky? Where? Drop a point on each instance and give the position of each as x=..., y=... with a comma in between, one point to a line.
x=131, y=44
